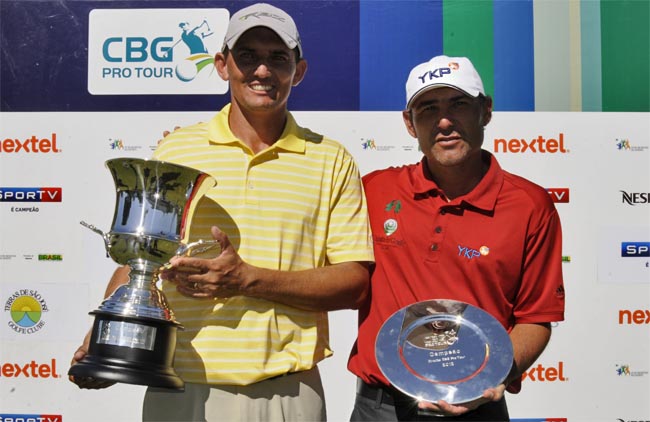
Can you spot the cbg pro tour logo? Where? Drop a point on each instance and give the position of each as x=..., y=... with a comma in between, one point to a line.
x=26, y=308
x=155, y=51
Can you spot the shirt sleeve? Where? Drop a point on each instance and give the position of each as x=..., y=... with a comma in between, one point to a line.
x=349, y=237
x=541, y=296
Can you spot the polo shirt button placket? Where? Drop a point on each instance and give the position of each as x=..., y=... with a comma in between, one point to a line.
x=437, y=237
x=434, y=246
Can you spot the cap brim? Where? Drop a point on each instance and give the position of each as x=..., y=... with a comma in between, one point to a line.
x=439, y=85
x=287, y=40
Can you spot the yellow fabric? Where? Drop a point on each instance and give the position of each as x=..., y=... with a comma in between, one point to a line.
x=295, y=206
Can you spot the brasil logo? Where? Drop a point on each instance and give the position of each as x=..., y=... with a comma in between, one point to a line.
x=26, y=308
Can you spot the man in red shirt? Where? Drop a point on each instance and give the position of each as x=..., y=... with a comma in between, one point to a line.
x=456, y=226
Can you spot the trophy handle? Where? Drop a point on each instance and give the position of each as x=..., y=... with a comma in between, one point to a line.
x=99, y=232
x=196, y=248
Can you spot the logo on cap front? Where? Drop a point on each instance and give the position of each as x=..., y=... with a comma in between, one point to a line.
x=260, y=15
x=440, y=72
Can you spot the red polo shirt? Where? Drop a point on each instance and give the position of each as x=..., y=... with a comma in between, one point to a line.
x=498, y=247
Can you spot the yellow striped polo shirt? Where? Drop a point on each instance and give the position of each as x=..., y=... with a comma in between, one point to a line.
x=294, y=206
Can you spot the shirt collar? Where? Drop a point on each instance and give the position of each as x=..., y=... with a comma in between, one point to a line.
x=292, y=138
x=483, y=196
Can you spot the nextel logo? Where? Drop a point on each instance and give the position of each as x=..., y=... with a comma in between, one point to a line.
x=560, y=195
x=637, y=317
x=29, y=370
x=535, y=145
x=30, y=145
x=30, y=194
x=635, y=249
x=542, y=374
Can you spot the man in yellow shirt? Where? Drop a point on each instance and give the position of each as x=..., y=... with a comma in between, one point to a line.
x=290, y=216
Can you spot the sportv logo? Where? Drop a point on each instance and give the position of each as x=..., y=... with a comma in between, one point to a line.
x=539, y=420
x=535, y=145
x=559, y=195
x=30, y=145
x=155, y=51
x=45, y=194
x=540, y=373
x=29, y=370
x=9, y=417
x=635, y=249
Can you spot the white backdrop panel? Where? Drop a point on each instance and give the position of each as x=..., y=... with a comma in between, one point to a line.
x=595, y=368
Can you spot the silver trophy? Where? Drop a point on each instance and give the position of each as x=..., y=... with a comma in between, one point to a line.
x=134, y=332
x=443, y=350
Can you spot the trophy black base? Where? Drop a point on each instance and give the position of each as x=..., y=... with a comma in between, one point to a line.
x=130, y=350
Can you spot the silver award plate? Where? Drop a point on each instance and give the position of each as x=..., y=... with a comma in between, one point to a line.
x=443, y=350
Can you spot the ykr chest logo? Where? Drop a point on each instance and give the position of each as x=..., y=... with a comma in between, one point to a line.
x=470, y=253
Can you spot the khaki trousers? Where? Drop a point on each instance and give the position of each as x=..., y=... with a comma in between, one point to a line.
x=293, y=397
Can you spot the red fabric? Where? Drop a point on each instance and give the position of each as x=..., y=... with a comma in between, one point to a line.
x=498, y=247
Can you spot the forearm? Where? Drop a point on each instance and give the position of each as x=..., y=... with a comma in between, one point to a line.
x=328, y=288
x=528, y=342
x=334, y=287
x=120, y=276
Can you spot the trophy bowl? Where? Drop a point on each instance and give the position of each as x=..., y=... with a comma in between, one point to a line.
x=443, y=350
x=134, y=331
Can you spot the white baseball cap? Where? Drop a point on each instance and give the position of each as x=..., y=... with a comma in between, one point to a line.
x=441, y=71
x=262, y=14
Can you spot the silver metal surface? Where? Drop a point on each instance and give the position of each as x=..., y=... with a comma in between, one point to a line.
x=443, y=350
x=154, y=202
x=127, y=334
x=153, y=199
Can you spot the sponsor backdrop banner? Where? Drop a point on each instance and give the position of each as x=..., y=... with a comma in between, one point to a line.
x=85, y=81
